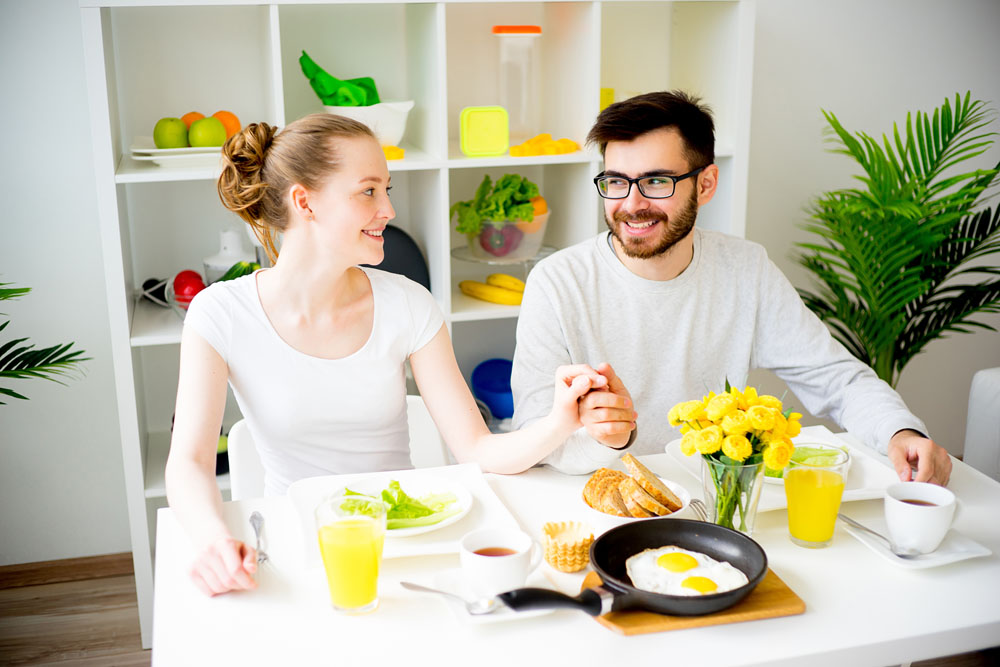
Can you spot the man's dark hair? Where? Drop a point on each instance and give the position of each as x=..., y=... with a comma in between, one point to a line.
x=631, y=118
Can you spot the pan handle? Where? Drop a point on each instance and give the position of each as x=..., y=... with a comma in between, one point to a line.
x=594, y=601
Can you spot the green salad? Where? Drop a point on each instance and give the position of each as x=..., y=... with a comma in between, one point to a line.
x=810, y=456
x=405, y=511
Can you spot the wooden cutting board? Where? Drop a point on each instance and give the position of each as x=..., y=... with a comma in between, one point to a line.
x=772, y=598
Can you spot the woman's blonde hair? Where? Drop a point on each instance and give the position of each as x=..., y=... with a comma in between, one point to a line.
x=260, y=164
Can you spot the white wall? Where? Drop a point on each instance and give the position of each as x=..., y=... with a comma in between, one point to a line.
x=869, y=62
x=61, y=484
x=62, y=489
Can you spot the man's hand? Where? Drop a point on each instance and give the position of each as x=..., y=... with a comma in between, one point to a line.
x=907, y=447
x=607, y=413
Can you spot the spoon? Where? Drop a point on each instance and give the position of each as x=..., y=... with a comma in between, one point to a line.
x=474, y=607
x=902, y=553
x=257, y=521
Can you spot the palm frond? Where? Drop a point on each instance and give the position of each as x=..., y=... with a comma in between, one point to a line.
x=890, y=251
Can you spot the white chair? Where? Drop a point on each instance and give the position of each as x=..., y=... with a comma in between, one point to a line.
x=246, y=474
x=982, y=428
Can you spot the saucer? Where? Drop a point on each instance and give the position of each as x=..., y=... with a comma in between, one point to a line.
x=453, y=582
x=954, y=548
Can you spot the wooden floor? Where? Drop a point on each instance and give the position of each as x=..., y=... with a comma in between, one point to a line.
x=95, y=621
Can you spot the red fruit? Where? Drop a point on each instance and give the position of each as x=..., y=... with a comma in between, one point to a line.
x=186, y=285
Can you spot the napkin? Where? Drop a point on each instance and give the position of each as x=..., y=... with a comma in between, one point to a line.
x=360, y=92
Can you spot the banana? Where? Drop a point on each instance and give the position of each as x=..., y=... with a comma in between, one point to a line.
x=506, y=281
x=491, y=293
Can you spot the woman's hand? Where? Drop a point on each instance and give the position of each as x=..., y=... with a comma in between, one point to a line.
x=226, y=564
x=571, y=383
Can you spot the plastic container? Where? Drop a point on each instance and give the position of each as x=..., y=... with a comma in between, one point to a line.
x=483, y=131
x=513, y=242
x=491, y=385
x=520, y=92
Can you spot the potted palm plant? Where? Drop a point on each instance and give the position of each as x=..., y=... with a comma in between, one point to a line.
x=905, y=258
x=20, y=360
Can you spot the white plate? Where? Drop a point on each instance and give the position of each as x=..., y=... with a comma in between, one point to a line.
x=481, y=507
x=867, y=479
x=955, y=547
x=678, y=490
x=454, y=582
x=198, y=160
x=146, y=146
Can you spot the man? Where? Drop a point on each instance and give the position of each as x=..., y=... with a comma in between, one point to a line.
x=677, y=310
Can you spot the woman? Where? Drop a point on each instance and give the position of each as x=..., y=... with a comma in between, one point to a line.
x=314, y=347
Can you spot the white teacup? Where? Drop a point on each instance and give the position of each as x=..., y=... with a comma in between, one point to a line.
x=497, y=560
x=918, y=515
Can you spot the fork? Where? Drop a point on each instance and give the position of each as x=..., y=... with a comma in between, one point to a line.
x=699, y=509
x=257, y=521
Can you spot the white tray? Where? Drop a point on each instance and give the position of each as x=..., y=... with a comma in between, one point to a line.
x=867, y=479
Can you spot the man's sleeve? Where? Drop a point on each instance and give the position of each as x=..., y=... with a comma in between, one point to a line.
x=794, y=343
x=541, y=348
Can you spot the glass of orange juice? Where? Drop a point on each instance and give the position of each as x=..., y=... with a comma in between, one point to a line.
x=813, y=488
x=351, y=531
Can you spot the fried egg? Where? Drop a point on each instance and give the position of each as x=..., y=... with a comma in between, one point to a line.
x=675, y=571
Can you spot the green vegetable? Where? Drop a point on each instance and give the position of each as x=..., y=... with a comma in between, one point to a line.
x=406, y=511
x=508, y=200
x=334, y=92
x=239, y=269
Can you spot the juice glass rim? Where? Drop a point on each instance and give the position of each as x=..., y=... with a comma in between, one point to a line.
x=843, y=458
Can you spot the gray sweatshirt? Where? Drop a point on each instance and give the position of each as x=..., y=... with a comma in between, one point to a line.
x=730, y=311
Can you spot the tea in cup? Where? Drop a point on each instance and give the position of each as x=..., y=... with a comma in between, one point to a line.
x=918, y=515
x=497, y=560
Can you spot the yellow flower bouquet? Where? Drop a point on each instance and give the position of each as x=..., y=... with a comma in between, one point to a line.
x=737, y=433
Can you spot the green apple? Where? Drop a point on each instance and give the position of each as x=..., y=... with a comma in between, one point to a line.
x=170, y=133
x=207, y=132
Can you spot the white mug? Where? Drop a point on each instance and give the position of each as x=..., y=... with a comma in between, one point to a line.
x=918, y=515
x=497, y=560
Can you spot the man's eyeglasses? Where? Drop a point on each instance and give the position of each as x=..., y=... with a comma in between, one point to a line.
x=651, y=187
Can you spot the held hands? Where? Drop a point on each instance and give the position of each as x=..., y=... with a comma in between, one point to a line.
x=226, y=564
x=907, y=447
x=607, y=413
x=571, y=383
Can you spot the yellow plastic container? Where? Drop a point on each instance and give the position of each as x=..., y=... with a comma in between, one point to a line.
x=484, y=131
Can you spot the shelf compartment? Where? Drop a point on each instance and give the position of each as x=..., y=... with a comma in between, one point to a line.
x=154, y=325
x=402, y=52
x=172, y=60
x=568, y=60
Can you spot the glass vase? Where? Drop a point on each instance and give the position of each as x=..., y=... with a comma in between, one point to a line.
x=732, y=493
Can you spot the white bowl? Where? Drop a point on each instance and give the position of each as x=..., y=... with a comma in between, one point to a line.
x=386, y=119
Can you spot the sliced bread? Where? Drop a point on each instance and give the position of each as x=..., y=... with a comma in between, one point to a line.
x=644, y=500
x=651, y=484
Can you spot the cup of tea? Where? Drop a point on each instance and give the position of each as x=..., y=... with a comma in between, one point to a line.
x=918, y=515
x=497, y=560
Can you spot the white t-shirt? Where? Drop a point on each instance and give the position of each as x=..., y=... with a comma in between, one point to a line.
x=310, y=416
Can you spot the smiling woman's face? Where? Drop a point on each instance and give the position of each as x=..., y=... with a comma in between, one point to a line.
x=650, y=227
x=353, y=207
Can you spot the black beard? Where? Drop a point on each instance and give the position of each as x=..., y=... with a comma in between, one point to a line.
x=673, y=229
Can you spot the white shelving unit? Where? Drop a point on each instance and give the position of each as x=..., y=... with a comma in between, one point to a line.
x=145, y=60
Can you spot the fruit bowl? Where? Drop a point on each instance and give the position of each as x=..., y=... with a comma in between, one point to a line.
x=513, y=241
x=386, y=119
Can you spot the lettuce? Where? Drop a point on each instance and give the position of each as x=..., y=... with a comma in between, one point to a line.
x=405, y=511
x=508, y=200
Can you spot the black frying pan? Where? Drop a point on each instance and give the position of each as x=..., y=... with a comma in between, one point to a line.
x=609, y=552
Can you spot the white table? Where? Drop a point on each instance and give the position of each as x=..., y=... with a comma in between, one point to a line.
x=860, y=609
